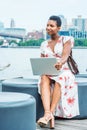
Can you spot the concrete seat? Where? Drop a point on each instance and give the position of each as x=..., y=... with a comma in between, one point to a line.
x=81, y=76
x=82, y=96
x=28, y=86
x=17, y=111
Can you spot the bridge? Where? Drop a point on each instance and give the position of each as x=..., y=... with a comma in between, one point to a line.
x=12, y=35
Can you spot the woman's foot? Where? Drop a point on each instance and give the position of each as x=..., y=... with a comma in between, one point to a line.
x=47, y=118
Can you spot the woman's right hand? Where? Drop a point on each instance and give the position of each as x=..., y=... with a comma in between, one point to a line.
x=58, y=65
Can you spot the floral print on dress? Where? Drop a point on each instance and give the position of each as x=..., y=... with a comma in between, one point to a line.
x=68, y=106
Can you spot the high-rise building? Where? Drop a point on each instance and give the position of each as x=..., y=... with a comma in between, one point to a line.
x=1, y=25
x=12, y=23
x=80, y=23
x=64, y=22
x=85, y=23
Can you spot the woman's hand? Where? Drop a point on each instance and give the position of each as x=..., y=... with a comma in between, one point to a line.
x=58, y=65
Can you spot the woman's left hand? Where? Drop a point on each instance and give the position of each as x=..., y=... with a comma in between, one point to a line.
x=58, y=65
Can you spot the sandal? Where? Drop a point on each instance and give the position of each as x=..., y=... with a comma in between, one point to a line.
x=47, y=118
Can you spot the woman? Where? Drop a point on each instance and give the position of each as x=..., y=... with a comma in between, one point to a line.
x=59, y=93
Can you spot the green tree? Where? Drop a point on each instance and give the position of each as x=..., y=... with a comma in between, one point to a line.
x=31, y=42
x=80, y=42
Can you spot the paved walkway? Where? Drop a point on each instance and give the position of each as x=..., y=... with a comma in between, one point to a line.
x=68, y=125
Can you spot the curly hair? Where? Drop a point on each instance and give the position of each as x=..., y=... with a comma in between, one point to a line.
x=57, y=19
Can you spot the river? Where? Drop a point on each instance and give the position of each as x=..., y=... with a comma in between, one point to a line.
x=19, y=60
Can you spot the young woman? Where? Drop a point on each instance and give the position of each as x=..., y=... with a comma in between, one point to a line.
x=59, y=93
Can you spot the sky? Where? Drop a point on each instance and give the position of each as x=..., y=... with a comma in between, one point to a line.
x=33, y=14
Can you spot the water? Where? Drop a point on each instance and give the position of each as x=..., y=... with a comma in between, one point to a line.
x=20, y=63
x=19, y=60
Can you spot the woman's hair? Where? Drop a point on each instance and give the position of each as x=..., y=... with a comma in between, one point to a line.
x=57, y=19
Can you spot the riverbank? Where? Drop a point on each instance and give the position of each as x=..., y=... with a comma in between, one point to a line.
x=75, y=47
x=21, y=47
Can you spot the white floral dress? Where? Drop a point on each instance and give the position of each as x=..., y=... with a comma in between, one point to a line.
x=68, y=106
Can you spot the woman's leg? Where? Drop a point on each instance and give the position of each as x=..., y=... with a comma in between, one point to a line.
x=49, y=107
x=45, y=92
x=46, y=99
x=55, y=96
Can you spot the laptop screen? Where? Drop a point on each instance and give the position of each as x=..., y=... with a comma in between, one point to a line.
x=44, y=66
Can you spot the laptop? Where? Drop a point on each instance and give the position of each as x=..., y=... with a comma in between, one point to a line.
x=43, y=65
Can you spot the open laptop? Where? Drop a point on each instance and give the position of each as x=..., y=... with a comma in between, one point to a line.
x=43, y=66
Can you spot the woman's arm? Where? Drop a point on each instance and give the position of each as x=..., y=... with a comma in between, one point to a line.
x=66, y=51
x=65, y=55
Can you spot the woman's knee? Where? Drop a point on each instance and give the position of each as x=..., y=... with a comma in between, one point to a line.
x=58, y=85
x=44, y=79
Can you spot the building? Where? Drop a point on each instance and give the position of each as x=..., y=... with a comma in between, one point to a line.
x=15, y=31
x=36, y=35
x=64, y=22
x=1, y=25
x=80, y=23
x=12, y=23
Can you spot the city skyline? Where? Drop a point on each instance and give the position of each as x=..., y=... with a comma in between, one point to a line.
x=33, y=15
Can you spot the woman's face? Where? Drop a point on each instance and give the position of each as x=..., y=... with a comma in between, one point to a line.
x=52, y=27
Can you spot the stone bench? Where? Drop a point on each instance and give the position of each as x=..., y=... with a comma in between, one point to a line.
x=30, y=86
x=17, y=111
x=81, y=76
x=82, y=96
